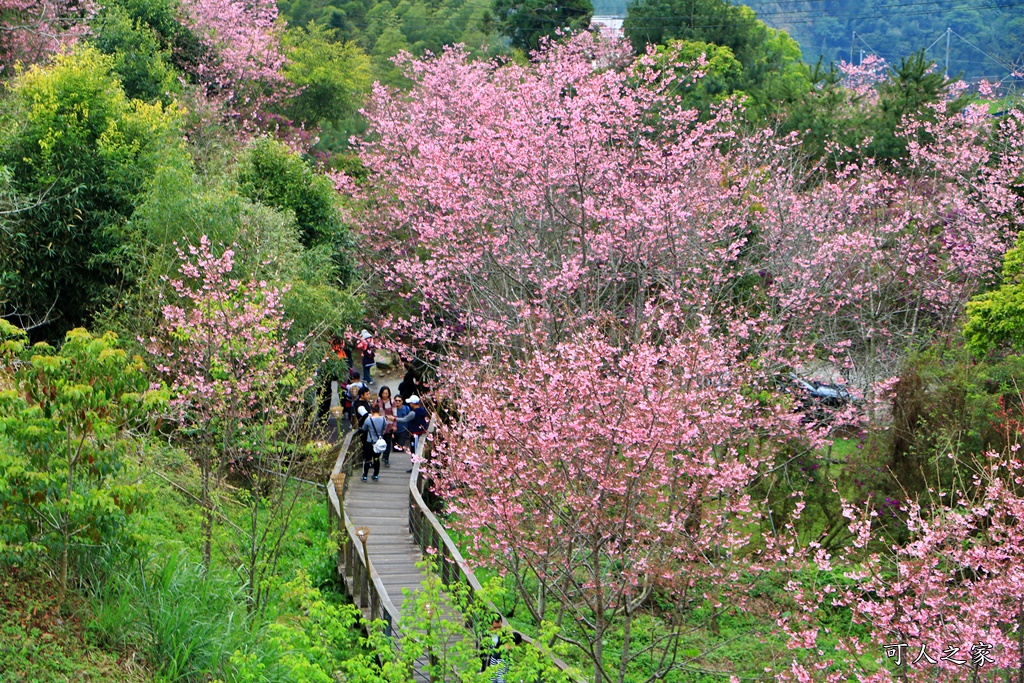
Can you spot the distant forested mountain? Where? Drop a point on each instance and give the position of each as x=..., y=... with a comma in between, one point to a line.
x=610, y=8
x=987, y=35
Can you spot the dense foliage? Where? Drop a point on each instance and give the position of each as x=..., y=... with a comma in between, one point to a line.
x=983, y=44
x=527, y=22
x=652, y=278
x=725, y=351
x=772, y=69
x=85, y=155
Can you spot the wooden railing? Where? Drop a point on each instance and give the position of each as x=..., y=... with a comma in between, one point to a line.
x=361, y=579
x=428, y=532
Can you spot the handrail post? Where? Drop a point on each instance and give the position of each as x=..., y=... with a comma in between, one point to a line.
x=443, y=555
x=363, y=533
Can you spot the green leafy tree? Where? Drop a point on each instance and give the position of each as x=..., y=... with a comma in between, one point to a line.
x=176, y=42
x=869, y=121
x=65, y=432
x=827, y=112
x=141, y=63
x=274, y=176
x=333, y=77
x=773, y=68
x=73, y=139
x=309, y=641
x=906, y=96
x=708, y=21
x=526, y=22
x=995, y=319
x=720, y=72
x=390, y=43
x=445, y=630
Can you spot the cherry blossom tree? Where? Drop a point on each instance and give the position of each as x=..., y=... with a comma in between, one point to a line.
x=945, y=606
x=234, y=382
x=242, y=73
x=32, y=29
x=613, y=289
x=549, y=235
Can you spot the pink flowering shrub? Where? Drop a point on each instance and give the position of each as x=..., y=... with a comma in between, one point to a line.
x=612, y=291
x=223, y=350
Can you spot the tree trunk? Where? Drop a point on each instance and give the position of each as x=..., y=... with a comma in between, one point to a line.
x=62, y=591
x=254, y=596
x=207, y=512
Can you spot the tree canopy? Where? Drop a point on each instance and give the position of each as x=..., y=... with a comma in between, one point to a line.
x=526, y=22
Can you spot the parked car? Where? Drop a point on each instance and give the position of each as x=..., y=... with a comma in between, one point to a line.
x=831, y=395
x=818, y=400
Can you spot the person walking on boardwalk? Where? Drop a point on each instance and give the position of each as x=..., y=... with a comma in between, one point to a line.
x=374, y=444
x=361, y=408
x=366, y=347
x=353, y=392
x=496, y=646
x=408, y=386
x=386, y=407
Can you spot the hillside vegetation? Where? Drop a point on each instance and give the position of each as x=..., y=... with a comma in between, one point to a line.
x=723, y=350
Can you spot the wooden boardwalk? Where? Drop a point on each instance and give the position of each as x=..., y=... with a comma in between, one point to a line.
x=401, y=529
x=384, y=507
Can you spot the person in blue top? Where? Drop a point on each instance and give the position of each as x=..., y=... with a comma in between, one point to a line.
x=401, y=433
x=415, y=422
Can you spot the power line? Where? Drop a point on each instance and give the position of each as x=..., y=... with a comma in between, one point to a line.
x=803, y=16
x=1005, y=66
x=798, y=16
x=861, y=39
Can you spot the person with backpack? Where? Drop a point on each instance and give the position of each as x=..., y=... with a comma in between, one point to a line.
x=366, y=347
x=374, y=444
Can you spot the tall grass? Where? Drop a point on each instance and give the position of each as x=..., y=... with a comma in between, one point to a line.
x=184, y=622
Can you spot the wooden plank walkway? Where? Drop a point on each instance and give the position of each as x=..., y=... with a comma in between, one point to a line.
x=388, y=507
x=384, y=507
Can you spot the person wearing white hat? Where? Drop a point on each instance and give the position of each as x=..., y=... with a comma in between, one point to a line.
x=365, y=347
x=416, y=421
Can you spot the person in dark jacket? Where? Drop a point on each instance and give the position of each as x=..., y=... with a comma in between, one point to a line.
x=361, y=408
x=415, y=422
x=408, y=387
x=495, y=648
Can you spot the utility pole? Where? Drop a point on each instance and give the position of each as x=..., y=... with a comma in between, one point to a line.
x=948, y=31
x=862, y=56
x=853, y=38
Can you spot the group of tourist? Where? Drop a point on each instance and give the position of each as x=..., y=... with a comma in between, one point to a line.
x=388, y=423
